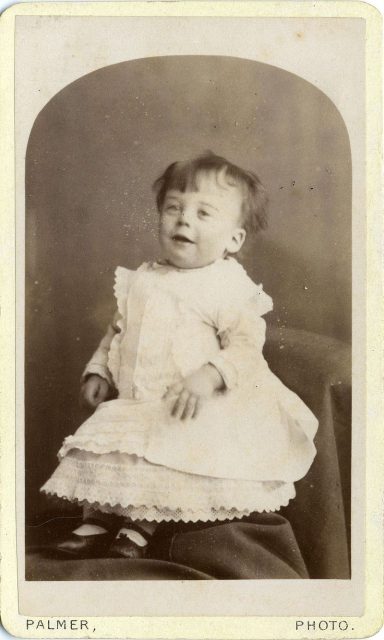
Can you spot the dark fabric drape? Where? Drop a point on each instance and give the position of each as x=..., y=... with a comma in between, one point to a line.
x=318, y=369
x=261, y=546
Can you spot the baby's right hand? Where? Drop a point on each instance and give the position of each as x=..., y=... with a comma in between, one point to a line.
x=94, y=390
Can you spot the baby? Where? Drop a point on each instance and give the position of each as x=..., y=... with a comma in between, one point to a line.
x=190, y=424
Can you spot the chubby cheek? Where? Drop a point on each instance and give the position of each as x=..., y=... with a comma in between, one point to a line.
x=166, y=224
x=215, y=244
x=163, y=228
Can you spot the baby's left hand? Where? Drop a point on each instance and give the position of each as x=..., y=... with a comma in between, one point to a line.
x=189, y=393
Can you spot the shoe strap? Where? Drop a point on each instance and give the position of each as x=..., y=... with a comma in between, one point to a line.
x=136, y=527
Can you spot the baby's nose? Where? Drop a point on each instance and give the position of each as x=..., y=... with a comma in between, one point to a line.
x=184, y=217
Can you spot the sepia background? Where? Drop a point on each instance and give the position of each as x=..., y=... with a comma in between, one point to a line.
x=93, y=153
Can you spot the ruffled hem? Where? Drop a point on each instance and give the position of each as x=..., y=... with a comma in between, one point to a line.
x=159, y=513
x=163, y=514
x=101, y=446
x=132, y=487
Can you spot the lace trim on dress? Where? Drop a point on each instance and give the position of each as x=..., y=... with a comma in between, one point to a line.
x=263, y=301
x=145, y=491
x=123, y=280
x=166, y=514
x=103, y=445
x=158, y=514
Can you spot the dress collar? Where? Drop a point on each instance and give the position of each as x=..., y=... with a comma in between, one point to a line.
x=157, y=264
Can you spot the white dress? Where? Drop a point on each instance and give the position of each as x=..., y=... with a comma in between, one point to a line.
x=248, y=444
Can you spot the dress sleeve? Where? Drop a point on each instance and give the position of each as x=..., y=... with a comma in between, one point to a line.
x=98, y=364
x=242, y=337
x=101, y=361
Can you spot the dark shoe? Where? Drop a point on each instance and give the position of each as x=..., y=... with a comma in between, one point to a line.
x=124, y=547
x=78, y=546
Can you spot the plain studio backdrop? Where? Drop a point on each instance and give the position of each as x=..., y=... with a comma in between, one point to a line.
x=93, y=154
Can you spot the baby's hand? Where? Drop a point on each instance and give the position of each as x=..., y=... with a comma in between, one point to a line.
x=94, y=390
x=191, y=391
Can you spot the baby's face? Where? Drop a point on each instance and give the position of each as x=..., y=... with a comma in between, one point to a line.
x=199, y=227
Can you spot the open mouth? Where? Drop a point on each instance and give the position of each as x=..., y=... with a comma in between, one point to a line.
x=180, y=238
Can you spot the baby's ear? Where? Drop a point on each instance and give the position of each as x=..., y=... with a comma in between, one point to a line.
x=237, y=240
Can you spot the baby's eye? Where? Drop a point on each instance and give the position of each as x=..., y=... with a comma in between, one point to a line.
x=203, y=213
x=172, y=208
